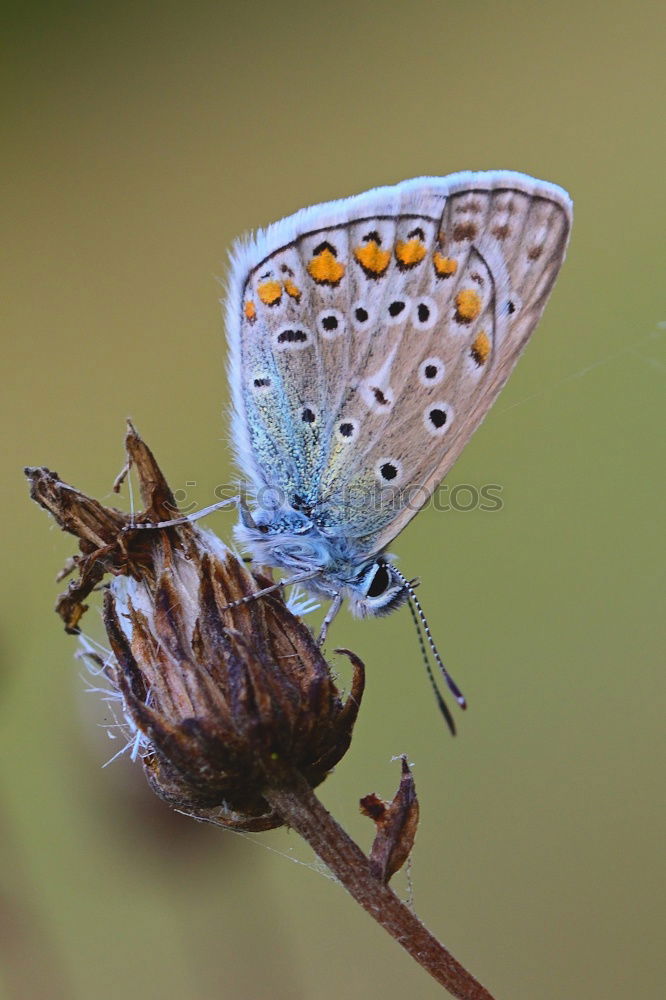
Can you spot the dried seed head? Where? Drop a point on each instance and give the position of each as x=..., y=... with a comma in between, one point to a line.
x=230, y=701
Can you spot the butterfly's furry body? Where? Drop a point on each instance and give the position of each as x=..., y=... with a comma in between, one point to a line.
x=296, y=544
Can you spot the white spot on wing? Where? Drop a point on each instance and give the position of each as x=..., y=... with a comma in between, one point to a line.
x=376, y=390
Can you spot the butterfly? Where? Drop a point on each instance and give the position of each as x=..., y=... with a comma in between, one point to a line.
x=368, y=339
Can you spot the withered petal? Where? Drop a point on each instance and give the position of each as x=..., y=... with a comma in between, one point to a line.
x=396, y=823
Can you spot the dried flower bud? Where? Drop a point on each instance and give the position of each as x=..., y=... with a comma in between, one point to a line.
x=230, y=701
x=236, y=708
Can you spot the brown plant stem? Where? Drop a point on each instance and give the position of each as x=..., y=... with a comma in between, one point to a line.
x=299, y=807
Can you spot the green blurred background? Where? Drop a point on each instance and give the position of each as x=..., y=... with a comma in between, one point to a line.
x=139, y=141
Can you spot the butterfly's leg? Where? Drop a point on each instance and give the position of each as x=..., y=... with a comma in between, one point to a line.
x=280, y=585
x=186, y=518
x=336, y=604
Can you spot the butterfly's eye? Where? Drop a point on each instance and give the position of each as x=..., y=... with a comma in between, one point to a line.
x=380, y=582
x=431, y=372
x=382, y=591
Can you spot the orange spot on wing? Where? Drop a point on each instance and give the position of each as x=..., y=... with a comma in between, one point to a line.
x=480, y=349
x=250, y=311
x=444, y=266
x=411, y=253
x=270, y=292
x=372, y=258
x=468, y=305
x=325, y=269
x=292, y=290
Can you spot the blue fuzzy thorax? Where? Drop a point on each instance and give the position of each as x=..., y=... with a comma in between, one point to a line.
x=289, y=539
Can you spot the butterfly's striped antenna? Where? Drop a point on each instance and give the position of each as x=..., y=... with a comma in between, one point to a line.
x=441, y=704
x=186, y=518
x=451, y=684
